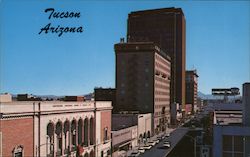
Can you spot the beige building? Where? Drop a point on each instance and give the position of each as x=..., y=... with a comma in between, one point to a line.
x=55, y=128
x=123, y=139
x=142, y=121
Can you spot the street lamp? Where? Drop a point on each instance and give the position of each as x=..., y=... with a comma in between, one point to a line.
x=194, y=139
x=45, y=144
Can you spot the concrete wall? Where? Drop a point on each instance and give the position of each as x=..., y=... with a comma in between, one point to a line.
x=144, y=124
x=5, y=98
x=126, y=134
x=143, y=121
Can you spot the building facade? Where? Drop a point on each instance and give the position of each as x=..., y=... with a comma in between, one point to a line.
x=191, y=88
x=231, y=130
x=143, y=121
x=123, y=139
x=55, y=128
x=106, y=94
x=167, y=28
x=143, y=81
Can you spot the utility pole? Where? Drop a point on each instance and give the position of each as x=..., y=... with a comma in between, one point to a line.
x=194, y=139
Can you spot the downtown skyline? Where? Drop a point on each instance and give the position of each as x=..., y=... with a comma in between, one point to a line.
x=217, y=45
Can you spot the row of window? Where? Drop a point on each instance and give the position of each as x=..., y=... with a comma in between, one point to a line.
x=161, y=85
x=162, y=99
x=233, y=143
x=161, y=92
x=162, y=66
x=161, y=79
x=74, y=133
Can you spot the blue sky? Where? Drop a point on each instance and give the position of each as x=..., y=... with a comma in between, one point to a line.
x=217, y=44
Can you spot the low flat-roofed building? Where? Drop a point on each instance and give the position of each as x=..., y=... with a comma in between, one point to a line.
x=231, y=135
x=27, y=97
x=6, y=97
x=143, y=121
x=74, y=98
x=228, y=117
x=123, y=138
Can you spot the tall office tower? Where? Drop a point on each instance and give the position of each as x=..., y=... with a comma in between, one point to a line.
x=143, y=81
x=191, y=88
x=167, y=28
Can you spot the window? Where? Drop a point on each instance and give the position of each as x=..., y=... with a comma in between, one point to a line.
x=233, y=146
x=238, y=143
x=227, y=143
x=18, y=151
x=105, y=134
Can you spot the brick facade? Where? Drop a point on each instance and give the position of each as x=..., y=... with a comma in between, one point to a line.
x=105, y=123
x=17, y=132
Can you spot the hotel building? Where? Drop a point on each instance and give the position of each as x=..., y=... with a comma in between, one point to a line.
x=143, y=81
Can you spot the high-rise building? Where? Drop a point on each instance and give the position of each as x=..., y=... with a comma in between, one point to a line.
x=191, y=88
x=167, y=28
x=143, y=81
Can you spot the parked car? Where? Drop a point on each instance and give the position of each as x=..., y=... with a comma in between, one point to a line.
x=141, y=149
x=147, y=147
x=151, y=143
x=156, y=141
x=167, y=144
x=134, y=154
x=167, y=134
x=160, y=137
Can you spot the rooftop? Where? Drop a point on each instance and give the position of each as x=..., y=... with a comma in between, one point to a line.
x=139, y=47
x=228, y=117
x=157, y=11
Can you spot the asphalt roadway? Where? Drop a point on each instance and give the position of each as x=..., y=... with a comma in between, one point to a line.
x=159, y=151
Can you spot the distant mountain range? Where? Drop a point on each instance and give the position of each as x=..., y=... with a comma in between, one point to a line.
x=91, y=95
x=55, y=97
